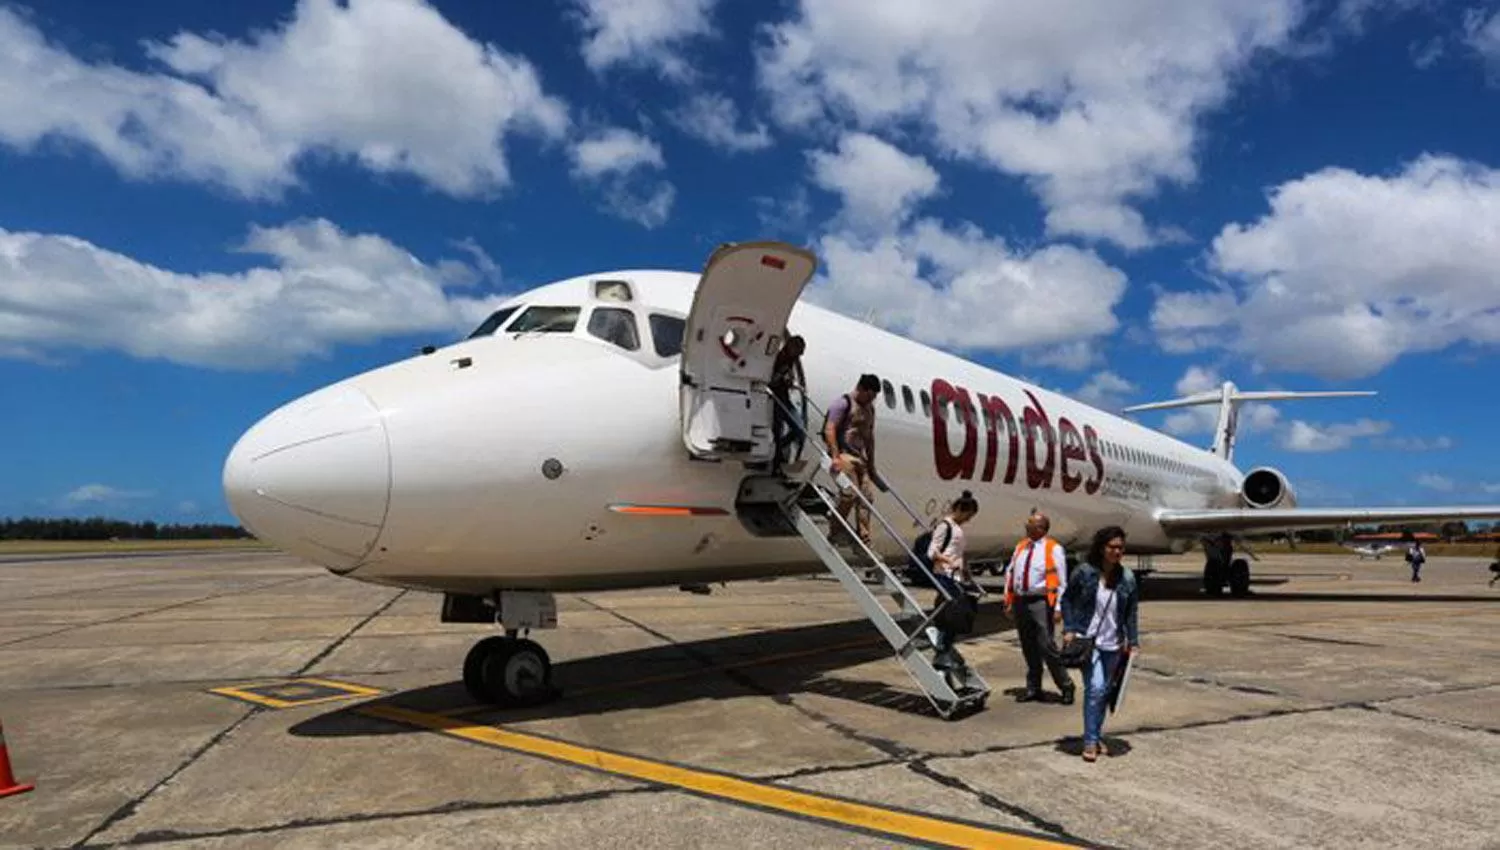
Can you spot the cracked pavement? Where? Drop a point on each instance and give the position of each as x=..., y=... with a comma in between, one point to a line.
x=1340, y=707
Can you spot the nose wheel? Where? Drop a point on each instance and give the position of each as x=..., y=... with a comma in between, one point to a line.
x=509, y=672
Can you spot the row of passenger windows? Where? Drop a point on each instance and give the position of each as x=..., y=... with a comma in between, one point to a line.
x=615, y=325
x=982, y=416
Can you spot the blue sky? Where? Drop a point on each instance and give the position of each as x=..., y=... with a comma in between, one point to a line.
x=209, y=209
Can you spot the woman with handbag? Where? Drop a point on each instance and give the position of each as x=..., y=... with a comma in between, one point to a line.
x=950, y=569
x=1099, y=616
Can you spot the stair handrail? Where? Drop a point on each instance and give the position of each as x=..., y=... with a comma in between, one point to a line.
x=827, y=464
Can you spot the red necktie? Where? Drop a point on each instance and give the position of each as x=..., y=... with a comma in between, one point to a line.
x=1026, y=574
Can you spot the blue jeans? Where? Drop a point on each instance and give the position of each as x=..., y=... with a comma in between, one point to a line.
x=1095, y=691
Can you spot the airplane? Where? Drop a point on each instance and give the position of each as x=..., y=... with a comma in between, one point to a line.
x=1370, y=550
x=604, y=432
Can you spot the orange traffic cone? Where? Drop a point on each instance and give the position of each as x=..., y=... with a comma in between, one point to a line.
x=8, y=784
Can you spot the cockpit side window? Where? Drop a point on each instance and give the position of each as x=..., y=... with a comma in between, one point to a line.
x=616, y=325
x=546, y=320
x=666, y=333
x=493, y=323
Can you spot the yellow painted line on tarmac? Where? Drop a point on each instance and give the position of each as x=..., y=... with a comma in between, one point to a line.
x=822, y=808
x=295, y=693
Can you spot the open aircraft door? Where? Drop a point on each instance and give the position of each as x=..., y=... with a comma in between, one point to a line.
x=734, y=331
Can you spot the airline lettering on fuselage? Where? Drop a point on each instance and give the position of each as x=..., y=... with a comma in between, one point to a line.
x=1051, y=452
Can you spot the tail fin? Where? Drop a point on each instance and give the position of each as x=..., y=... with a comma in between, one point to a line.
x=1228, y=397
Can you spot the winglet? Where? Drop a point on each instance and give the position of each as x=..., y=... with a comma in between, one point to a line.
x=1229, y=398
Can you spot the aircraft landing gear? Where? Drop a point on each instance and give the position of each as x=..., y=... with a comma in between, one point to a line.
x=1235, y=574
x=1239, y=578
x=510, y=672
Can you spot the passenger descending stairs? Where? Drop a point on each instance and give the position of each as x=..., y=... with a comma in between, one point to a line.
x=794, y=503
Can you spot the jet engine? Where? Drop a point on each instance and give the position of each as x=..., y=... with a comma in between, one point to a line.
x=1265, y=487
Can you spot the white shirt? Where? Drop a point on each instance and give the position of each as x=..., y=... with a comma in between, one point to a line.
x=1105, y=627
x=1028, y=568
x=953, y=547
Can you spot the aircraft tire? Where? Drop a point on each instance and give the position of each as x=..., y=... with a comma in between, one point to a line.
x=1239, y=577
x=1213, y=578
x=474, y=667
x=517, y=673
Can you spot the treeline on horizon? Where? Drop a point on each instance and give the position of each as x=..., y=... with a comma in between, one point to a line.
x=104, y=528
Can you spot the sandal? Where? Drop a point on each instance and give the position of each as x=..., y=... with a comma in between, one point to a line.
x=1103, y=749
x=1090, y=752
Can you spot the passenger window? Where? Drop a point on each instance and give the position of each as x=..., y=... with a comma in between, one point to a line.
x=911, y=406
x=546, y=320
x=616, y=325
x=926, y=404
x=493, y=323
x=666, y=334
x=890, y=394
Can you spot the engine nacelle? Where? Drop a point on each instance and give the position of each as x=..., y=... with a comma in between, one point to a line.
x=1265, y=487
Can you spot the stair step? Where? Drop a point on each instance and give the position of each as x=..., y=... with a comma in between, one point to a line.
x=947, y=690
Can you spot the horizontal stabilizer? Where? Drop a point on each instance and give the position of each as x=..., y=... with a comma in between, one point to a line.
x=1291, y=519
x=1229, y=398
x=1239, y=396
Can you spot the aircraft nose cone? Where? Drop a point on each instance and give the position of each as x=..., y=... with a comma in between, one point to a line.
x=313, y=477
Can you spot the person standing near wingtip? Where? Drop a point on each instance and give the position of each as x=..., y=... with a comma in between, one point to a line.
x=1416, y=556
x=1038, y=569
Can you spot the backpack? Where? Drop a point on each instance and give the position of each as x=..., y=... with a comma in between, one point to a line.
x=838, y=432
x=915, y=566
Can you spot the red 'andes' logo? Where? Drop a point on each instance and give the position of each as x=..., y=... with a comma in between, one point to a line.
x=1052, y=452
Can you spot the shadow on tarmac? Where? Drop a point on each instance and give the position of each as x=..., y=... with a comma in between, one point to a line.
x=717, y=668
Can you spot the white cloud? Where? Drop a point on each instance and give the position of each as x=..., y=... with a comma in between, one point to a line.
x=1433, y=481
x=1348, y=271
x=98, y=493
x=713, y=118
x=1106, y=391
x=879, y=184
x=620, y=161
x=1482, y=35
x=1490, y=488
x=187, y=506
x=615, y=151
x=323, y=287
x=389, y=84
x=1415, y=444
x=642, y=33
x=960, y=288
x=1303, y=436
x=1073, y=356
x=1094, y=109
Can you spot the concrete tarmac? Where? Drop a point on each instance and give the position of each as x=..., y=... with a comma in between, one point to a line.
x=254, y=701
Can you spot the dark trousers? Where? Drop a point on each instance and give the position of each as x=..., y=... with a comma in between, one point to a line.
x=947, y=653
x=782, y=429
x=1034, y=627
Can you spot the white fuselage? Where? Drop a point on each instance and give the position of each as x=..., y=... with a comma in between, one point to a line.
x=429, y=472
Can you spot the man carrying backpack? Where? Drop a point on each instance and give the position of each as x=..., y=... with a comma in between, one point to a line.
x=849, y=434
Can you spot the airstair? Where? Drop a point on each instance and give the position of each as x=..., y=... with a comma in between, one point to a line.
x=732, y=336
x=805, y=503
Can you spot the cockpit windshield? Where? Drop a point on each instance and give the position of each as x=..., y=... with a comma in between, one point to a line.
x=541, y=319
x=666, y=333
x=493, y=323
x=616, y=325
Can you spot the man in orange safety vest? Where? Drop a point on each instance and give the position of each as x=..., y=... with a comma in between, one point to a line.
x=1033, y=596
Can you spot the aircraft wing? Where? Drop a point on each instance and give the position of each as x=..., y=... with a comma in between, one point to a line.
x=1288, y=519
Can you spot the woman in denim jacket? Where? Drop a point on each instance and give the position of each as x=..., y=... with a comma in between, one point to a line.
x=1100, y=602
